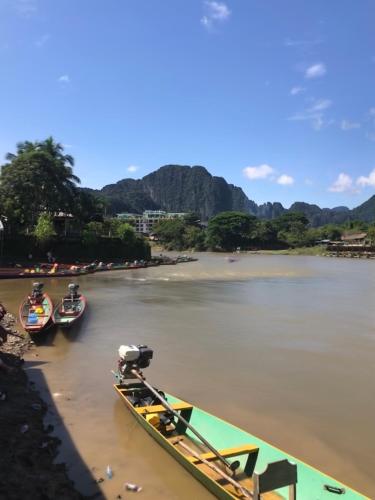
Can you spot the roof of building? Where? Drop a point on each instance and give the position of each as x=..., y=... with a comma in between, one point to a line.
x=354, y=236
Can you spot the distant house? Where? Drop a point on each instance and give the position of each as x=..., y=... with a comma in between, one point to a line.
x=354, y=239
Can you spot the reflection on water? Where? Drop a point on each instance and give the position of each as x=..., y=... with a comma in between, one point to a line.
x=281, y=346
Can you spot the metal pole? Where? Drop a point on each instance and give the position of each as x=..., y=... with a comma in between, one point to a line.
x=212, y=466
x=231, y=467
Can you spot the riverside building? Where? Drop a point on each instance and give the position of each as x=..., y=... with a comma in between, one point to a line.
x=143, y=224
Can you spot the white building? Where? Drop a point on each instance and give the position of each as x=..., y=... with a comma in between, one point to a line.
x=144, y=223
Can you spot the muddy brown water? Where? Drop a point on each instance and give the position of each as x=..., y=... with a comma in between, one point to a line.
x=281, y=346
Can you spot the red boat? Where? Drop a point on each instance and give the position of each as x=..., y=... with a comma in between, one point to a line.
x=36, y=310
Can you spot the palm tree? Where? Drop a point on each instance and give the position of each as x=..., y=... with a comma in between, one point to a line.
x=39, y=178
x=52, y=148
x=22, y=147
x=56, y=151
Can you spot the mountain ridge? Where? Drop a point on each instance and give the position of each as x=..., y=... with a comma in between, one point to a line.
x=183, y=188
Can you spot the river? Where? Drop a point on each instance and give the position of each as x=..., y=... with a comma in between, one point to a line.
x=281, y=346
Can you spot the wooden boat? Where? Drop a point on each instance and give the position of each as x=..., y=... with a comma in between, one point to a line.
x=70, y=308
x=36, y=310
x=281, y=470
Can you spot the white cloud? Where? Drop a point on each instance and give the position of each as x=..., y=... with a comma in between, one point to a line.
x=64, y=79
x=285, y=180
x=259, y=172
x=367, y=181
x=320, y=105
x=315, y=71
x=132, y=168
x=215, y=12
x=343, y=183
x=296, y=90
x=218, y=10
x=315, y=114
x=266, y=172
x=309, y=182
x=347, y=125
x=42, y=40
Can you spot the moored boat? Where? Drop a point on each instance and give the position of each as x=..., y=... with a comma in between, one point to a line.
x=230, y=462
x=36, y=310
x=70, y=308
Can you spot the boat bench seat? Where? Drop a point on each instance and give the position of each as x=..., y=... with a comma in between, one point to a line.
x=186, y=410
x=142, y=410
x=246, y=449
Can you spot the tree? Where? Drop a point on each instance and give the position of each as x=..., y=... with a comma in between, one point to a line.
x=44, y=230
x=38, y=178
x=91, y=233
x=265, y=235
x=126, y=233
x=88, y=207
x=289, y=221
x=191, y=219
x=371, y=235
x=292, y=229
x=170, y=232
x=194, y=237
x=229, y=230
x=330, y=232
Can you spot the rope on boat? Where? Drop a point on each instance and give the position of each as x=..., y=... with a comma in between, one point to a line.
x=231, y=466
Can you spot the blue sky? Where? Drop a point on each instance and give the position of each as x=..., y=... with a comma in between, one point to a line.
x=277, y=97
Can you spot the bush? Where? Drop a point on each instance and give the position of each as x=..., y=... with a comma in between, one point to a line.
x=44, y=230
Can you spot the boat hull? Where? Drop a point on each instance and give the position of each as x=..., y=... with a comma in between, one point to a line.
x=44, y=320
x=222, y=435
x=67, y=320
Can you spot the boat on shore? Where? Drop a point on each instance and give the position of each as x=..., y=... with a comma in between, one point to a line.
x=70, y=270
x=259, y=470
x=71, y=307
x=36, y=310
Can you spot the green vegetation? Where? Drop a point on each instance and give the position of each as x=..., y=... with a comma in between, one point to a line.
x=42, y=204
x=44, y=230
x=38, y=178
x=289, y=233
x=230, y=230
x=178, y=234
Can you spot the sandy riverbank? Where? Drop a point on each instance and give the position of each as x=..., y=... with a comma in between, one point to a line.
x=28, y=451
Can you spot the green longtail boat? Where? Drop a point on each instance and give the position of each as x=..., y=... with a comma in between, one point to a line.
x=261, y=470
x=70, y=309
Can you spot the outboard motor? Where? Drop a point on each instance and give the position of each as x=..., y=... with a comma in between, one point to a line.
x=73, y=290
x=133, y=357
x=37, y=291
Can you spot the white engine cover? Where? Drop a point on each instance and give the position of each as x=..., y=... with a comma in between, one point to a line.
x=128, y=352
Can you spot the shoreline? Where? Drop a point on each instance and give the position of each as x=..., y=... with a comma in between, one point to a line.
x=29, y=450
x=73, y=271
x=315, y=251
